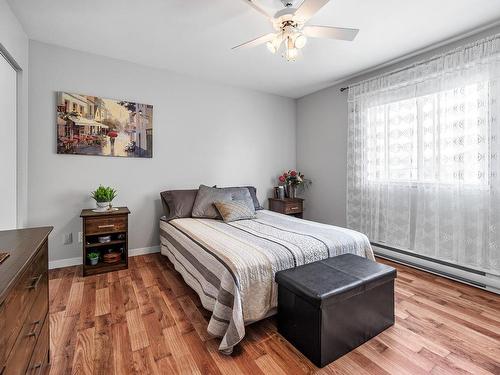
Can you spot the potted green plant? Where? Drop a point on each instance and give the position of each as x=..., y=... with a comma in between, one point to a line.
x=93, y=258
x=103, y=197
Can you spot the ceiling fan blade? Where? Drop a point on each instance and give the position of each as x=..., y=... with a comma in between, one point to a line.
x=339, y=33
x=257, y=41
x=257, y=8
x=309, y=8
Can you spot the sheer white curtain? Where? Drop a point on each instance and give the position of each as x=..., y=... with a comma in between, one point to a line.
x=424, y=157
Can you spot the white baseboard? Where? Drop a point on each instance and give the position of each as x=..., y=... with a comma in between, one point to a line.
x=144, y=250
x=60, y=263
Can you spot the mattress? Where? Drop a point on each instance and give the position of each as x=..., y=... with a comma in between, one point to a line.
x=231, y=266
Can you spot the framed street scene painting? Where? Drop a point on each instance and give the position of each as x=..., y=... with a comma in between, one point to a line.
x=91, y=125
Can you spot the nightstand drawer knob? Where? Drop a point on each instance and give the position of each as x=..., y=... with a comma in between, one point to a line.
x=294, y=208
x=106, y=226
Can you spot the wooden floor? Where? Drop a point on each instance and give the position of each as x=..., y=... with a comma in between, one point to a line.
x=146, y=320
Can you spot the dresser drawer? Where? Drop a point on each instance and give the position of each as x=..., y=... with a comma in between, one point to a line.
x=40, y=359
x=19, y=357
x=98, y=225
x=18, y=303
x=293, y=207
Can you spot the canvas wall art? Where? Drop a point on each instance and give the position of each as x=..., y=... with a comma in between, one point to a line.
x=91, y=125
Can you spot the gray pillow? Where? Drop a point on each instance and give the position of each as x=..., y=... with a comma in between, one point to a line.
x=204, y=203
x=235, y=210
x=178, y=203
x=240, y=194
x=253, y=194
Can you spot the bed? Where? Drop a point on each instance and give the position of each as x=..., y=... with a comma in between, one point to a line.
x=231, y=266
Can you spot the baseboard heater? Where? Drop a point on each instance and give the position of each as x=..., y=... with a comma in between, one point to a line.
x=456, y=272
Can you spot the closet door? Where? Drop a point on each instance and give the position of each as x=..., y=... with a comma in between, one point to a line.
x=8, y=149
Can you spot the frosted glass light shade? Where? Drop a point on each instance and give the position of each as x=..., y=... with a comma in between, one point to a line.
x=300, y=41
x=270, y=46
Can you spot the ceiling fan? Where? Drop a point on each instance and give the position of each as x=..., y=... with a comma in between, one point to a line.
x=291, y=30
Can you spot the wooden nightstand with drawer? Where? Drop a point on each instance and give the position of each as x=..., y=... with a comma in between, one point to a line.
x=287, y=206
x=96, y=226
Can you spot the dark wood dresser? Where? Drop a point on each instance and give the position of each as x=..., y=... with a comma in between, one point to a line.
x=287, y=206
x=24, y=301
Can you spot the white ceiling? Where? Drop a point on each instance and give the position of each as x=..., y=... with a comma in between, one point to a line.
x=195, y=36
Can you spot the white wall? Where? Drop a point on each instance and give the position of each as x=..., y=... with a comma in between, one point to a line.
x=203, y=133
x=322, y=140
x=14, y=41
x=322, y=154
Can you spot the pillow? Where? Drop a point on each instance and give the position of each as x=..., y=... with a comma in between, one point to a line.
x=235, y=210
x=253, y=194
x=178, y=203
x=240, y=194
x=204, y=203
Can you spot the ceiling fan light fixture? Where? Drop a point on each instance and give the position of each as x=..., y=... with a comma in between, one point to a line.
x=274, y=45
x=291, y=54
x=300, y=41
x=271, y=47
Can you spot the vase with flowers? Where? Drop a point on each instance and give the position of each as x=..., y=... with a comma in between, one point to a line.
x=293, y=180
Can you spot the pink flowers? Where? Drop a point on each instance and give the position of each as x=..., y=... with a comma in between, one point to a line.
x=292, y=177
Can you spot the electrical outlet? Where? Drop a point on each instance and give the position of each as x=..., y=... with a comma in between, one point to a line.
x=68, y=238
x=80, y=237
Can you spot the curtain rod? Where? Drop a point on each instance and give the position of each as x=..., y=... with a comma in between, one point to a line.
x=429, y=59
x=432, y=47
x=406, y=67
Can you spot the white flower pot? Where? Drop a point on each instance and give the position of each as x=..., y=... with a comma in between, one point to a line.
x=102, y=206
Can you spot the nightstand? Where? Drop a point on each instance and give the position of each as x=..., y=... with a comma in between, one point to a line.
x=99, y=224
x=287, y=206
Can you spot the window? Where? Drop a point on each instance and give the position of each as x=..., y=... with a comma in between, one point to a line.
x=441, y=138
x=423, y=160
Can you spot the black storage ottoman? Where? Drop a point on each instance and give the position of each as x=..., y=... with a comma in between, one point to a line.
x=329, y=307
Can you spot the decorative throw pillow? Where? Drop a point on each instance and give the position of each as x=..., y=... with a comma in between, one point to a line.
x=178, y=203
x=240, y=194
x=253, y=194
x=204, y=203
x=235, y=210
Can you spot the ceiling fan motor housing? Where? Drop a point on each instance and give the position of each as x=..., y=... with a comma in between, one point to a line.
x=287, y=3
x=284, y=18
x=285, y=13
